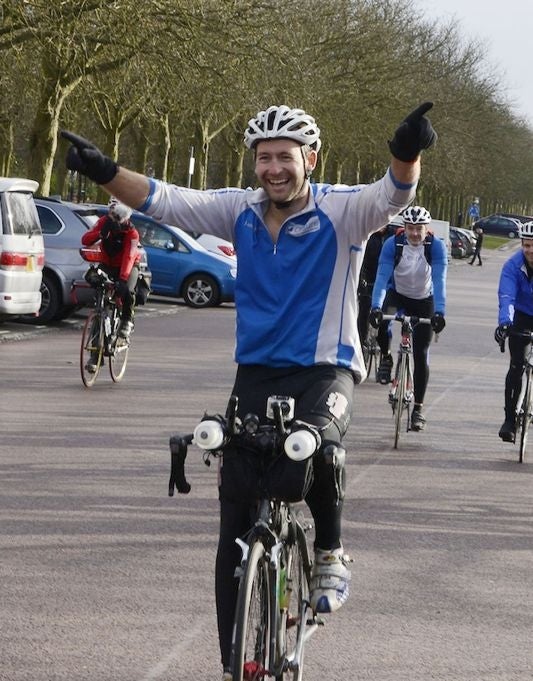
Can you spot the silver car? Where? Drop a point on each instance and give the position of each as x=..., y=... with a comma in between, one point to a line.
x=63, y=223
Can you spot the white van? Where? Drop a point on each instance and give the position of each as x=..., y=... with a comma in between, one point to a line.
x=21, y=248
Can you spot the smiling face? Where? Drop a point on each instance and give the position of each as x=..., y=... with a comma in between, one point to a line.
x=415, y=233
x=281, y=169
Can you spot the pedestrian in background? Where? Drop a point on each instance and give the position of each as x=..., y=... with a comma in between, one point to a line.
x=477, y=249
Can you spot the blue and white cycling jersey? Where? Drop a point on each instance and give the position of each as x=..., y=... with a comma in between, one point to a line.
x=296, y=299
x=515, y=290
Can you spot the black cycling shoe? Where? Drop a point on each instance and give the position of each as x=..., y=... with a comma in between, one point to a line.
x=507, y=431
x=385, y=368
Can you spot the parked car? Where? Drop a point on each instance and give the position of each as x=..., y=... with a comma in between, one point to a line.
x=499, y=225
x=461, y=243
x=21, y=248
x=181, y=267
x=63, y=224
x=213, y=243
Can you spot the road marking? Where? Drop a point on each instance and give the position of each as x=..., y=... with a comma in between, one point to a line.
x=177, y=651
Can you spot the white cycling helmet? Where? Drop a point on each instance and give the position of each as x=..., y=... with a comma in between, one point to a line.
x=416, y=215
x=118, y=212
x=281, y=121
x=526, y=230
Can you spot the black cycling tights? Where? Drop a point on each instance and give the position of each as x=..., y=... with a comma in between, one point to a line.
x=422, y=336
x=324, y=397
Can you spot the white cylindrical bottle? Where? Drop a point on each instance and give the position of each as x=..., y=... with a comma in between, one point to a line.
x=300, y=445
x=208, y=434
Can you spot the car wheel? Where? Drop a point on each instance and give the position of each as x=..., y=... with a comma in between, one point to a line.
x=201, y=290
x=50, y=300
x=512, y=235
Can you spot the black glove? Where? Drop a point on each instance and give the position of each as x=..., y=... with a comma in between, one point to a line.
x=414, y=134
x=438, y=322
x=375, y=317
x=85, y=158
x=121, y=288
x=500, y=333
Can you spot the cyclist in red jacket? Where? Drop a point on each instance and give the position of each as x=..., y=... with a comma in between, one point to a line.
x=119, y=241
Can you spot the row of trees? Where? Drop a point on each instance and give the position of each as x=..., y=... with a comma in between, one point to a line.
x=148, y=81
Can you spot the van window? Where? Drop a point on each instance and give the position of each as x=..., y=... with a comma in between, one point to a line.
x=20, y=214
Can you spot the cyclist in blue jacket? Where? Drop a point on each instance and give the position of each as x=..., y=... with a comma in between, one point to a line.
x=412, y=278
x=299, y=247
x=515, y=300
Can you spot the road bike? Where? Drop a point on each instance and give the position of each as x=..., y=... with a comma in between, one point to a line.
x=524, y=404
x=401, y=394
x=100, y=337
x=273, y=617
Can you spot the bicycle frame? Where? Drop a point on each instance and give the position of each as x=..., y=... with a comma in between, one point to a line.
x=102, y=328
x=276, y=537
x=401, y=395
x=524, y=404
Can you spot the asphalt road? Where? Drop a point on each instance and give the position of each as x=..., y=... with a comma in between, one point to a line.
x=103, y=577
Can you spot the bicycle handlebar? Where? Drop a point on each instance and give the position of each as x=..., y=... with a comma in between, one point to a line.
x=519, y=334
x=297, y=439
x=412, y=320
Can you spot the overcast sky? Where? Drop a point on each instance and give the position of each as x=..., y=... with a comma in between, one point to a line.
x=506, y=29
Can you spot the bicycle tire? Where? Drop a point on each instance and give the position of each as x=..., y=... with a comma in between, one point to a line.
x=294, y=605
x=400, y=394
x=525, y=418
x=91, y=347
x=118, y=349
x=250, y=650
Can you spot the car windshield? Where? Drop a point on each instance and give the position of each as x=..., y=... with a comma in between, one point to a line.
x=20, y=214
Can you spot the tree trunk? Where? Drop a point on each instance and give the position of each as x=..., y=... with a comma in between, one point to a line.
x=7, y=142
x=43, y=135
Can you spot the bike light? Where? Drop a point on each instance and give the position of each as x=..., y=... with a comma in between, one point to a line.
x=208, y=434
x=301, y=444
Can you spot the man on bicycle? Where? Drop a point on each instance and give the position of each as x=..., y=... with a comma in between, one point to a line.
x=515, y=299
x=411, y=278
x=119, y=243
x=367, y=277
x=299, y=247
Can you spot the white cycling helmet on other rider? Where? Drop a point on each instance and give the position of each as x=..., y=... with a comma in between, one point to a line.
x=118, y=211
x=416, y=215
x=526, y=230
x=283, y=122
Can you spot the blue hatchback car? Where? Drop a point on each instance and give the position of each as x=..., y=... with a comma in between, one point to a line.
x=182, y=268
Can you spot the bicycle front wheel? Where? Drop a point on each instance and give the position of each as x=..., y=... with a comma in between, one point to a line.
x=118, y=359
x=294, y=603
x=399, y=398
x=525, y=418
x=250, y=654
x=91, y=349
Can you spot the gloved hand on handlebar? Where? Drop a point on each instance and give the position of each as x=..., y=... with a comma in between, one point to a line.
x=375, y=317
x=414, y=134
x=85, y=158
x=121, y=288
x=438, y=322
x=501, y=332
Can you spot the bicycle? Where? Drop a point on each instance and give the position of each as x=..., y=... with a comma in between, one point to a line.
x=401, y=394
x=371, y=352
x=100, y=336
x=524, y=404
x=273, y=616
